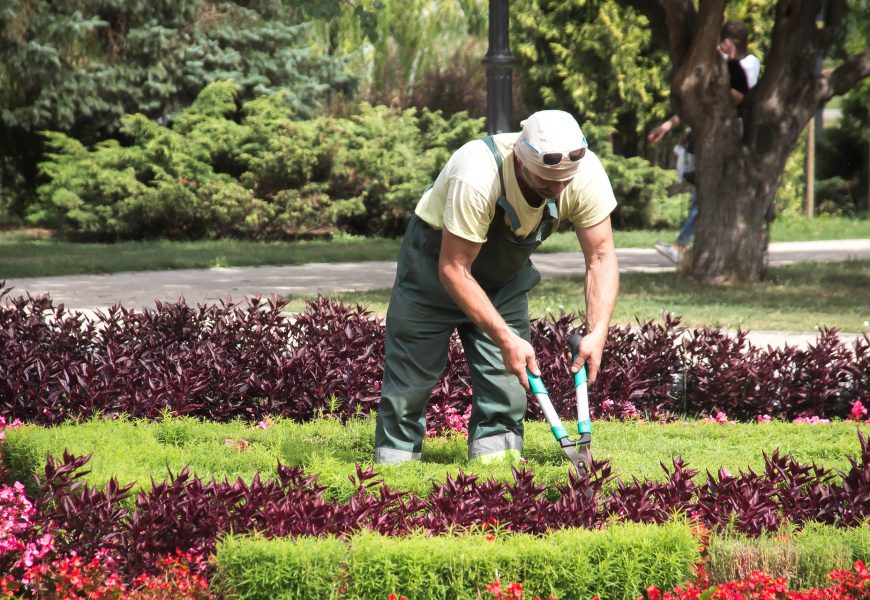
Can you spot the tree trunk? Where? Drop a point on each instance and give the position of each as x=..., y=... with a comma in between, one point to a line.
x=741, y=157
x=731, y=240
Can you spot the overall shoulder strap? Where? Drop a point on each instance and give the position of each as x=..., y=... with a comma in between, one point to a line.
x=490, y=143
x=502, y=200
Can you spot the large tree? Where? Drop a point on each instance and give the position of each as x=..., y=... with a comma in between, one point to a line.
x=741, y=156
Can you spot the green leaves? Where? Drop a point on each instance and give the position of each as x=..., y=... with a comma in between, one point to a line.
x=594, y=59
x=221, y=170
x=149, y=58
x=78, y=67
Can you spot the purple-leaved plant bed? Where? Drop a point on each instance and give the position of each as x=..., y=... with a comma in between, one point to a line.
x=252, y=360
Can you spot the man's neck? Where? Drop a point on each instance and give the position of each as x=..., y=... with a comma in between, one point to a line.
x=528, y=193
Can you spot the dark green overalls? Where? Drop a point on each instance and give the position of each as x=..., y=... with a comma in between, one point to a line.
x=422, y=316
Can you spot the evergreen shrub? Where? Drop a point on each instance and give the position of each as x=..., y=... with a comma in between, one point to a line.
x=252, y=171
x=647, y=196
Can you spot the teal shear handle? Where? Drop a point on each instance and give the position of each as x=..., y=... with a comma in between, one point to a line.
x=543, y=398
x=584, y=423
x=576, y=449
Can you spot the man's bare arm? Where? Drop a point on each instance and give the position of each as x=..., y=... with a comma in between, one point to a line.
x=602, y=287
x=454, y=270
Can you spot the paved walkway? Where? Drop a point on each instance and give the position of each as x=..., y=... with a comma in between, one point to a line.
x=141, y=289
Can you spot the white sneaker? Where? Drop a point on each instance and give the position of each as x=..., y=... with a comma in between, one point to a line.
x=670, y=252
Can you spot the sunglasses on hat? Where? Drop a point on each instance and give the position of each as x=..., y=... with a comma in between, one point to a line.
x=554, y=158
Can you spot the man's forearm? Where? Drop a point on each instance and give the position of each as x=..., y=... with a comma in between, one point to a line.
x=473, y=301
x=517, y=353
x=602, y=288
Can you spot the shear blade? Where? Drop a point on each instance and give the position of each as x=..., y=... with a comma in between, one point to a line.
x=580, y=456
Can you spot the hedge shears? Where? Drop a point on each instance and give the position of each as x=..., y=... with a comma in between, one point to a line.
x=575, y=448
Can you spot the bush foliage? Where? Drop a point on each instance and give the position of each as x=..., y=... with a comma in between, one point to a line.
x=78, y=66
x=804, y=558
x=253, y=171
x=647, y=195
x=220, y=170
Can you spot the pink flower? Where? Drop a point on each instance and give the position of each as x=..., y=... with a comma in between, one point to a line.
x=763, y=418
x=857, y=411
x=721, y=418
x=240, y=445
x=630, y=411
x=36, y=550
x=814, y=420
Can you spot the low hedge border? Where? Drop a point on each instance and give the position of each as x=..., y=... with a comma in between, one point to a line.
x=616, y=563
x=804, y=558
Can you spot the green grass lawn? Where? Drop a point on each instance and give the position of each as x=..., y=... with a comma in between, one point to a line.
x=30, y=253
x=25, y=256
x=794, y=298
x=140, y=450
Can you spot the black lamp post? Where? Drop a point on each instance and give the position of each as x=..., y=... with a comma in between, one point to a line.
x=499, y=67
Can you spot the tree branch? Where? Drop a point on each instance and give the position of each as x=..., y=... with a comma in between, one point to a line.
x=709, y=24
x=845, y=76
x=680, y=22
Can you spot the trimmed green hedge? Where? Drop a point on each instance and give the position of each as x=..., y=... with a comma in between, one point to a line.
x=616, y=563
x=139, y=450
x=805, y=557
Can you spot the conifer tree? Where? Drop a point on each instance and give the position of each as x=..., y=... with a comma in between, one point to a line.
x=77, y=66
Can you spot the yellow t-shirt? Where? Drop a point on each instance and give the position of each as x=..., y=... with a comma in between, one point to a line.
x=465, y=194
